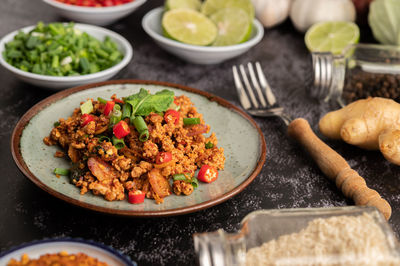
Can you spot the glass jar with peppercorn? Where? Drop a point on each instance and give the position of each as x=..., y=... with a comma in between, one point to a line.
x=361, y=71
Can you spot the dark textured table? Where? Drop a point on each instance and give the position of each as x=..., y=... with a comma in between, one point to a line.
x=289, y=179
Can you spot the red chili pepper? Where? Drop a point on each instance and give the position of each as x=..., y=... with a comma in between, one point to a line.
x=207, y=174
x=86, y=119
x=163, y=157
x=118, y=101
x=109, y=107
x=172, y=115
x=136, y=196
x=121, y=129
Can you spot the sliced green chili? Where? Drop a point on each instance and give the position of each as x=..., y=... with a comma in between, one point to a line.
x=118, y=143
x=191, y=121
x=56, y=124
x=61, y=171
x=101, y=100
x=209, y=145
x=126, y=111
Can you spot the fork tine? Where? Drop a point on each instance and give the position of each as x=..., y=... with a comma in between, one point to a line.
x=268, y=92
x=244, y=100
x=248, y=87
x=256, y=85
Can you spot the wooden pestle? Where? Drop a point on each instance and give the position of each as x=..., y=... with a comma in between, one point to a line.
x=336, y=168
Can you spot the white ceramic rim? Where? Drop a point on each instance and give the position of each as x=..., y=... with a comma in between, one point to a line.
x=214, y=49
x=95, y=10
x=121, y=40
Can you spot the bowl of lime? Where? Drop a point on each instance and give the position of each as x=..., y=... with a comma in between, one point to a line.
x=208, y=32
x=62, y=55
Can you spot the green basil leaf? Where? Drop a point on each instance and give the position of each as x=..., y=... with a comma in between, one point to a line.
x=143, y=103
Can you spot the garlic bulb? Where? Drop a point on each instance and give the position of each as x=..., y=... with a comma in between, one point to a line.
x=272, y=12
x=305, y=13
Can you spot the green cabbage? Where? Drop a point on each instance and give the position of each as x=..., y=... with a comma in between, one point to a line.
x=384, y=20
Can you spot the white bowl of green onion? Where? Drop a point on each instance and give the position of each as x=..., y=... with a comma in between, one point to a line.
x=59, y=56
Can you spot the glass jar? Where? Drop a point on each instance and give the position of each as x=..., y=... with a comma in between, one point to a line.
x=289, y=231
x=362, y=70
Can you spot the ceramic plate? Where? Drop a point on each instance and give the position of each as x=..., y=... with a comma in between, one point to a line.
x=96, y=250
x=237, y=133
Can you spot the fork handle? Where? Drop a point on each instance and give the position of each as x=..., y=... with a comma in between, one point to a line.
x=336, y=168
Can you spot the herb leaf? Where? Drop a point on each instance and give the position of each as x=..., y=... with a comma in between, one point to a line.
x=143, y=103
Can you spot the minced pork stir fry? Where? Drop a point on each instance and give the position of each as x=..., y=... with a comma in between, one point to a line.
x=142, y=146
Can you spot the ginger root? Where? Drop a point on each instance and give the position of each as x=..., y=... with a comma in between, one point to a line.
x=372, y=124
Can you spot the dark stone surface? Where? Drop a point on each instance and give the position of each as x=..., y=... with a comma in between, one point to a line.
x=289, y=178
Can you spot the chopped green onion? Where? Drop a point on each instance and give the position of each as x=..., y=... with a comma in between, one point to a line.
x=195, y=182
x=61, y=171
x=118, y=143
x=87, y=107
x=117, y=107
x=144, y=135
x=180, y=177
x=191, y=121
x=101, y=100
x=139, y=124
x=56, y=124
x=126, y=111
x=141, y=127
x=85, y=65
x=209, y=145
x=103, y=138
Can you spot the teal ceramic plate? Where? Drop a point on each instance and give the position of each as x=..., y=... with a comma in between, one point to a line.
x=237, y=133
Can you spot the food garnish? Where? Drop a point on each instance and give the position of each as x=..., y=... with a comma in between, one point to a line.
x=136, y=197
x=207, y=174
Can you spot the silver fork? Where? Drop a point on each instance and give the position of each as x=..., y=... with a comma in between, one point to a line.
x=265, y=104
x=333, y=165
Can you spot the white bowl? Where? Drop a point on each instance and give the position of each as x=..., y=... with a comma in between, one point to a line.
x=95, y=15
x=57, y=83
x=151, y=23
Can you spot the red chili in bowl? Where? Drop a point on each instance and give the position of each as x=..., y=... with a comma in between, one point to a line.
x=95, y=3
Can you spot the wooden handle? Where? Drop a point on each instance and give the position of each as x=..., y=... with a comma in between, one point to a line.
x=336, y=168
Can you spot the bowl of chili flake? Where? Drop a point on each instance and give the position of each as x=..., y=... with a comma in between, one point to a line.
x=97, y=12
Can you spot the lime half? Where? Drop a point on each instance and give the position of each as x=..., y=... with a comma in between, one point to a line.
x=234, y=26
x=209, y=7
x=175, y=4
x=189, y=26
x=331, y=36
